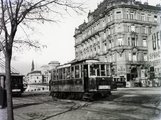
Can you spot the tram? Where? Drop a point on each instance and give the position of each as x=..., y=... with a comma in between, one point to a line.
x=86, y=79
x=16, y=83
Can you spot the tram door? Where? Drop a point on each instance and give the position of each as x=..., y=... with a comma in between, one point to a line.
x=86, y=78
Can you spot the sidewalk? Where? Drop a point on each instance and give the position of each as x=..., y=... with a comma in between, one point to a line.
x=3, y=114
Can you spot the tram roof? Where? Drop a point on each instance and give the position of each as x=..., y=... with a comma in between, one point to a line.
x=64, y=65
x=73, y=62
x=12, y=74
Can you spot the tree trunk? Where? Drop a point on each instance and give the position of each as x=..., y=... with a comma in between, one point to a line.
x=10, y=115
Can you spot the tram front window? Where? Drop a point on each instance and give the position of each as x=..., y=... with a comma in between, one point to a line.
x=92, y=70
x=97, y=70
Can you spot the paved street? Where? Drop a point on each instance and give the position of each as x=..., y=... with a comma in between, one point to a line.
x=3, y=114
x=123, y=104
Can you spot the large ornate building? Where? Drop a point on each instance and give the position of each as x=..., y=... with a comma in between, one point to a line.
x=117, y=32
x=154, y=53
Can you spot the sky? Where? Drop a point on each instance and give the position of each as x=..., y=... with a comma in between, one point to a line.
x=58, y=37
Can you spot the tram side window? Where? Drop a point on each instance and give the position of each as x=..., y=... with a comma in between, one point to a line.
x=98, y=69
x=94, y=70
x=107, y=70
x=77, y=71
x=72, y=72
x=63, y=73
x=102, y=70
x=54, y=75
x=85, y=71
x=67, y=73
x=122, y=79
x=57, y=74
x=60, y=73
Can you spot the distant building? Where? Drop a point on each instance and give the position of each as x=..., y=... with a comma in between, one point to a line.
x=38, y=80
x=117, y=32
x=35, y=81
x=35, y=77
x=53, y=64
x=46, y=70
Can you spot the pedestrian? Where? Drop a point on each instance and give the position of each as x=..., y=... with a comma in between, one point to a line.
x=1, y=97
x=3, y=102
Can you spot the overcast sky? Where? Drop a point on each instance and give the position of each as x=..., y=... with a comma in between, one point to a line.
x=59, y=40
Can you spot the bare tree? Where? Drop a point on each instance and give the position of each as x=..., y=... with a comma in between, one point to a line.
x=13, y=13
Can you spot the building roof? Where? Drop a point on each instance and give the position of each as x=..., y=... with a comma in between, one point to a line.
x=108, y=5
x=35, y=71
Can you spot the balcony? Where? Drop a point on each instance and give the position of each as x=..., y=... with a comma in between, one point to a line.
x=121, y=47
x=140, y=22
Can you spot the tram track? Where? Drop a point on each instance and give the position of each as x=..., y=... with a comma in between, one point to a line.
x=68, y=105
x=32, y=99
x=60, y=108
x=75, y=106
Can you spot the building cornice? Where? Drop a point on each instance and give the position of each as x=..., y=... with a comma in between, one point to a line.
x=115, y=22
x=102, y=13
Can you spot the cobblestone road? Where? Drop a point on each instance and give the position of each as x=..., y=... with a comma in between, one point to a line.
x=3, y=114
x=123, y=104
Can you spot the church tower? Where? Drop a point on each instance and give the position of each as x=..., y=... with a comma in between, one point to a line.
x=32, y=66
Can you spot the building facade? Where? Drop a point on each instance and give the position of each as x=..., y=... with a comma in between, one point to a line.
x=117, y=32
x=46, y=70
x=38, y=80
x=35, y=82
x=154, y=55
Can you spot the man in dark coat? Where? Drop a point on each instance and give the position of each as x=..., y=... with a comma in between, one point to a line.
x=3, y=99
